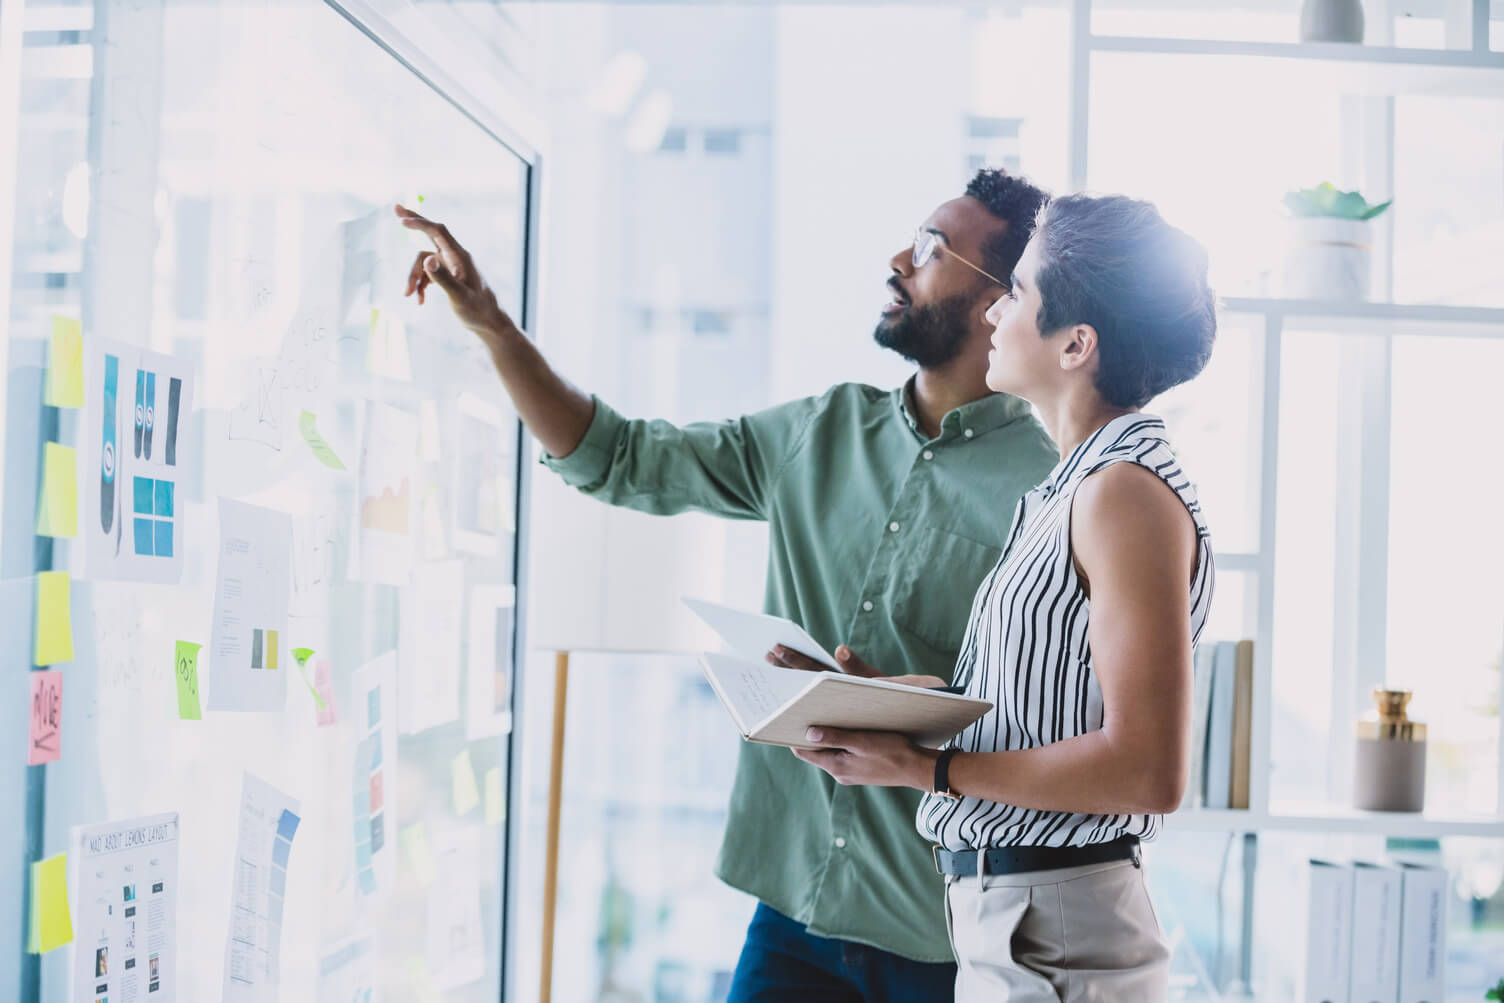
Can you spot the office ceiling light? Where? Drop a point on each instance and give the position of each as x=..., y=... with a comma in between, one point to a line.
x=649, y=122
x=619, y=81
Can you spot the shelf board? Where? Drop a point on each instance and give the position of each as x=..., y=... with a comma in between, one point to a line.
x=1418, y=320
x=1336, y=820
x=1357, y=69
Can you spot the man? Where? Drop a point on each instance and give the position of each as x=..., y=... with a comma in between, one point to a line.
x=885, y=509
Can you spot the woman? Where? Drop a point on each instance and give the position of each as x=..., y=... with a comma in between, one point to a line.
x=1082, y=635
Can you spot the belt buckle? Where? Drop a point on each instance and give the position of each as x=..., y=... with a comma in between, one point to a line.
x=935, y=855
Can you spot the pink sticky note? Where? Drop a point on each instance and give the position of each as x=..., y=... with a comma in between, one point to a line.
x=46, y=743
x=325, y=685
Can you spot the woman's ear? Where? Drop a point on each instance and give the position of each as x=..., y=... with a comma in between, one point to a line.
x=1079, y=348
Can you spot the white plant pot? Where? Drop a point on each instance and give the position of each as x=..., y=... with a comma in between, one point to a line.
x=1327, y=259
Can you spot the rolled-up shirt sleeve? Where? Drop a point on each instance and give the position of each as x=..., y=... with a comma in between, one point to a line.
x=724, y=468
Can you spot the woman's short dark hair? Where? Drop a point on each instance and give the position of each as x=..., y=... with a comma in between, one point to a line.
x=1114, y=263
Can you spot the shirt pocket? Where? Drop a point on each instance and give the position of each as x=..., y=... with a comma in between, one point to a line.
x=934, y=588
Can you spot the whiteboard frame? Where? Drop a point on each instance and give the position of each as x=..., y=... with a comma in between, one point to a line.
x=507, y=120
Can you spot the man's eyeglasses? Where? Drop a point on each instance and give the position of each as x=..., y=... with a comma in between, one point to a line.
x=926, y=242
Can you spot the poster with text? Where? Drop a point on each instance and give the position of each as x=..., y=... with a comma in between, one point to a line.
x=263, y=849
x=249, y=654
x=126, y=885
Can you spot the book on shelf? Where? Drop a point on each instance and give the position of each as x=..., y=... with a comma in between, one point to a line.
x=1201, y=702
x=1221, y=726
x=1376, y=933
x=1329, y=932
x=1423, y=934
x=1242, y=724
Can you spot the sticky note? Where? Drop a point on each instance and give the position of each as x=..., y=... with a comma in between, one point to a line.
x=496, y=805
x=308, y=428
x=466, y=793
x=414, y=840
x=324, y=686
x=54, y=619
x=51, y=925
x=185, y=668
x=57, y=512
x=302, y=655
x=65, y=364
x=417, y=973
x=46, y=743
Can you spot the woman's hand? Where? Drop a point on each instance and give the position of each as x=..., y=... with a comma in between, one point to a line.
x=848, y=662
x=870, y=758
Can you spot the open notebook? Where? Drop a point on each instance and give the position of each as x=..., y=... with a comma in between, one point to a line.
x=776, y=706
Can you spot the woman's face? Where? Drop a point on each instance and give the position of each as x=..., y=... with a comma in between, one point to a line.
x=1021, y=361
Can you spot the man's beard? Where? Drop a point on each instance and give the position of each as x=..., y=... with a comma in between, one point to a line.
x=929, y=335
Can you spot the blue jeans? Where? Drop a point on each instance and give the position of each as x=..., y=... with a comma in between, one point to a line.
x=782, y=962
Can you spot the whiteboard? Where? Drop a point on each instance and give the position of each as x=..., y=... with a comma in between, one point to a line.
x=238, y=163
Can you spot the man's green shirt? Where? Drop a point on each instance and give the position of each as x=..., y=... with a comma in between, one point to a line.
x=878, y=540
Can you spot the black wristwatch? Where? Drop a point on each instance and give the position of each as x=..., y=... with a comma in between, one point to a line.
x=942, y=774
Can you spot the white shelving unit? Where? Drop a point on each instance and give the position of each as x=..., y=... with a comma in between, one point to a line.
x=1376, y=73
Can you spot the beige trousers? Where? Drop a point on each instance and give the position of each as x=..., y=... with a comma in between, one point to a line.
x=1074, y=934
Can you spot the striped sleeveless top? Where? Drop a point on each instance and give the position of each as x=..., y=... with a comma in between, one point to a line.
x=1026, y=647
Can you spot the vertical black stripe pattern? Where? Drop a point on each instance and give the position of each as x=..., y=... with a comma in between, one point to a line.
x=1026, y=647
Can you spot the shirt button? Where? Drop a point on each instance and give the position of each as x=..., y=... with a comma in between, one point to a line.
x=968, y=433
x=892, y=527
x=929, y=454
x=867, y=606
x=840, y=843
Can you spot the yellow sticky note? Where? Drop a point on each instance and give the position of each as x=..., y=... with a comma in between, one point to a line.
x=496, y=805
x=414, y=840
x=51, y=925
x=466, y=793
x=65, y=365
x=54, y=619
x=57, y=514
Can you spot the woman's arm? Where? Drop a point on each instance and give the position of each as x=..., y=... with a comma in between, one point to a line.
x=1136, y=545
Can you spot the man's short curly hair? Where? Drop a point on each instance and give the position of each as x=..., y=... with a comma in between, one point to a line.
x=1014, y=201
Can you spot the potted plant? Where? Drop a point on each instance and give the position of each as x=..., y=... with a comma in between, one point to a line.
x=1329, y=247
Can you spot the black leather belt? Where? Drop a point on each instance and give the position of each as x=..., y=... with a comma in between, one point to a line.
x=1021, y=859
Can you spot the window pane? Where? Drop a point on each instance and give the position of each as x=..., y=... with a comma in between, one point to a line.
x=1446, y=544
x=1213, y=422
x=1304, y=567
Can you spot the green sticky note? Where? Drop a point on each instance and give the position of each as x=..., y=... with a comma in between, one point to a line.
x=308, y=427
x=496, y=805
x=54, y=619
x=466, y=793
x=57, y=513
x=302, y=655
x=185, y=667
x=51, y=925
x=414, y=840
x=65, y=364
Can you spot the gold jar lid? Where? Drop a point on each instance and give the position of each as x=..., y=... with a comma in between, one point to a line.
x=1388, y=721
